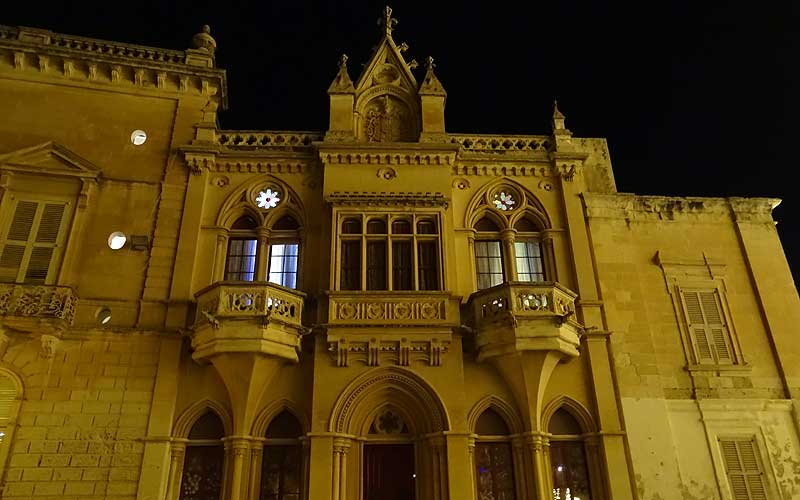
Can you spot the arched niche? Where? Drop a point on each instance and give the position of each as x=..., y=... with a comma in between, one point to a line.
x=498, y=194
x=576, y=410
x=401, y=388
x=243, y=200
x=186, y=421
x=271, y=411
x=501, y=408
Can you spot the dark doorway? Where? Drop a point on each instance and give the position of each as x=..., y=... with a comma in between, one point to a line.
x=389, y=472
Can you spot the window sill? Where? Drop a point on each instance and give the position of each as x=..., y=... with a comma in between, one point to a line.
x=743, y=368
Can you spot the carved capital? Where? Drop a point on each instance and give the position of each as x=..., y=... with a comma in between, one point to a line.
x=341, y=445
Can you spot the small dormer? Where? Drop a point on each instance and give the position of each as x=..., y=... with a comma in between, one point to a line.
x=386, y=104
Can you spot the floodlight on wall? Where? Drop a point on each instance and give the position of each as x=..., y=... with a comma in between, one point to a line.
x=138, y=137
x=103, y=316
x=140, y=242
x=117, y=240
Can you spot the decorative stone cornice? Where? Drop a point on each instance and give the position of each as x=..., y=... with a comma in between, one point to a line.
x=37, y=52
x=634, y=207
x=394, y=199
x=753, y=209
x=364, y=154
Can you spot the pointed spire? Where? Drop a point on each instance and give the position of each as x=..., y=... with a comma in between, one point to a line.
x=430, y=84
x=387, y=21
x=559, y=120
x=342, y=84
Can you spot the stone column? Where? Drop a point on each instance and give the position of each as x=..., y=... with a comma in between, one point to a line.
x=509, y=261
x=262, y=260
x=239, y=447
x=536, y=450
x=472, y=270
x=177, y=452
x=254, y=476
x=340, y=449
x=458, y=465
x=221, y=255
x=521, y=477
x=438, y=466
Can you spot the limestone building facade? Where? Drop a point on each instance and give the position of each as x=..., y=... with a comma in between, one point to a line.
x=380, y=310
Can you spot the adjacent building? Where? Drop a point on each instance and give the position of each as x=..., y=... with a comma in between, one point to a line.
x=380, y=310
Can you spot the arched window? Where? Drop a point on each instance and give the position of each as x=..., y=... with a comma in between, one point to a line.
x=494, y=462
x=516, y=257
x=284, y=252
x=282, y=464
x=242, y=250
x=253, y=256
x=568, y=457
x=204, y=459
x=9, y=406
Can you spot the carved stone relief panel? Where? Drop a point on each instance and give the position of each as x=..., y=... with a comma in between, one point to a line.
x=387, y=119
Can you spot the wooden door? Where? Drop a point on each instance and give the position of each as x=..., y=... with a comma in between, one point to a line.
x=389, y=472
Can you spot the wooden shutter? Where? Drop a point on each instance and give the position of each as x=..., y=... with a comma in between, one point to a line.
x=707, y=326
x=31, y=241
x=743, y=468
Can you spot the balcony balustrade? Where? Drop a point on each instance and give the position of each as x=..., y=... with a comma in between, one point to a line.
x=248, y=317
x=37, y=308
x=522, y=316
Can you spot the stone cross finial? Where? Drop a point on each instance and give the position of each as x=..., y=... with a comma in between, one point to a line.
x=429, y=63
x=387, y=21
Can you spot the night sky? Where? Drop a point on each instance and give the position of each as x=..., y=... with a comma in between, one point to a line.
x=695, y=99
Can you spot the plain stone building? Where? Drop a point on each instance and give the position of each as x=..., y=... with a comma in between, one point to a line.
x=382, y=309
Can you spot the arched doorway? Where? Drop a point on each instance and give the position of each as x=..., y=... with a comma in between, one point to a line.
x=391, y=443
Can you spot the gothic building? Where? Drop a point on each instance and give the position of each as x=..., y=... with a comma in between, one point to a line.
x=380, y=310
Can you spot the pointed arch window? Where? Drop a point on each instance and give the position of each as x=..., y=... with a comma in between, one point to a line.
x=204, y=459
x=494, y=460
x=507, y=255
x=282, y=460
x=264, y=255
x=568, y=459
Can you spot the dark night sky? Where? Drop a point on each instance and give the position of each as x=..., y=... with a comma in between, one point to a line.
x=695, y=99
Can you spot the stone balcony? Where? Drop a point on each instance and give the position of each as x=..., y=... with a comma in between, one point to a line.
x=41, y=309
x=521, y=316
x=397, y=327
x=248, y=317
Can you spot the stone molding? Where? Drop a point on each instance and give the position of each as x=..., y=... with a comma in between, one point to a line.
x=43, y=52
x=635, y=207
x=381, y=349
x=393, y=199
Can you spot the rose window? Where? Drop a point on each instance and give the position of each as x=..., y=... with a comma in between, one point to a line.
x=504, y=201
x=267, y=199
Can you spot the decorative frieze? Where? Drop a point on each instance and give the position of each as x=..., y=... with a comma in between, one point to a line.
x=381, y=309
x=394, y=199
x=388, y=349
x=362, y=157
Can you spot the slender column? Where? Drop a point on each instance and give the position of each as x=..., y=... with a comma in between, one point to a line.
x=221, y=255
x=226, y=469
x=509, y=260
x=256, y=452
x=239, y=447
x=177, y=452
x=536, y=450
x=472, y=466
x=549, y=260
x=262, y=259
x=547, y=478
x=305, y=475
x=340, y=448
x=521, y=478
x=472, y=270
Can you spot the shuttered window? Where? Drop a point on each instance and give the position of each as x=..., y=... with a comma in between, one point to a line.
x=743, y=468
x=31, y=241
x=707, y=326
x=8, y=393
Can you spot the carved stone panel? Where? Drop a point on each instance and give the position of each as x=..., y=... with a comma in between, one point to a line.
x=387, y=119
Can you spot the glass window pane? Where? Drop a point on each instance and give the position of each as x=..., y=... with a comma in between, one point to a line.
x=283, y=265
x=241, y=260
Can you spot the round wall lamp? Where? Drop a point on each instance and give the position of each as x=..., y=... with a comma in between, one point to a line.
x=103, y=316
x=138, y=137
x=117, y=240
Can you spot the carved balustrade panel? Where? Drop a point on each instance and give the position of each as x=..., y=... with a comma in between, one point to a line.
x=38, y=302
x=522, y=300
x=250, y=300
x=267, y=139
x=503, y=143
x=391, y=308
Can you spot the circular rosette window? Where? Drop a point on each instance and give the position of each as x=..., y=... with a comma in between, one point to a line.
x=268, y=197
x=505, y=199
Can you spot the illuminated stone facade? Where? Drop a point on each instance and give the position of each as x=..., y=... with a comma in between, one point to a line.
x=379, y=310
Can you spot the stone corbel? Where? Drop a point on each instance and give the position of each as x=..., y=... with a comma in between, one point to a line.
x=69, y=68
x=138, y=77
x=44, y=63
x=49, y=346
x=19, y=60
x=197, y=163
x=92, y=71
